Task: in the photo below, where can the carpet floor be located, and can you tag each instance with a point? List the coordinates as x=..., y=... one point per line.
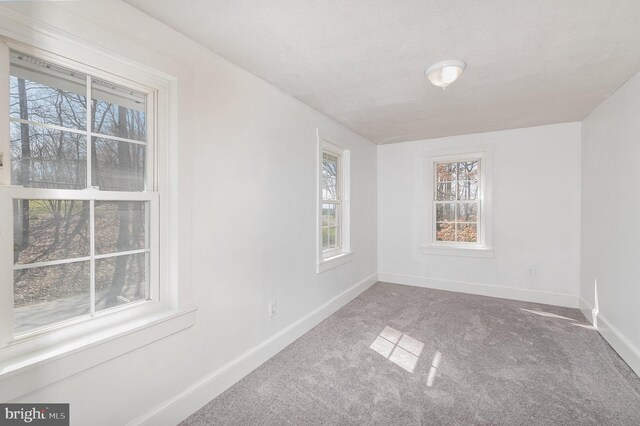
x=401, y=355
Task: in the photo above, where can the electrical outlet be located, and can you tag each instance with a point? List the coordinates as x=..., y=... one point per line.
x=531, y=271
x=272, y=308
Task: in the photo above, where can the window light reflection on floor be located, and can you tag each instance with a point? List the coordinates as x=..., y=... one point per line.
x=435, y=363
x=399, y=348
x=547, y=314
x=573, y=321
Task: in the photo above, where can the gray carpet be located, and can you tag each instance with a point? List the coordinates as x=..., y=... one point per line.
x=400, y=355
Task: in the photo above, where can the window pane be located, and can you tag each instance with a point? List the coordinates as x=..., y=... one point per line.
x=329, y=214
x=329, y=177
x=46, y=158
x=118, y=111
x=50, y=294
x=118, y=166
x=46, y=93
x=445, y=232
x=467, y=190
x=325, y=238
x=330, y=237
x=120, y=280
x=467, y=212
x=333, y=237
x=445, y=172
x=468, y=170
x=120, y=226
x=467, y=232
x=446, y=192
x=46, y=230
x=445, y=212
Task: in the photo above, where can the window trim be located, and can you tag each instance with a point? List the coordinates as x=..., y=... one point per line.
x=73, y=350
x=330, y=259
x=483, y=247
x=150, y=194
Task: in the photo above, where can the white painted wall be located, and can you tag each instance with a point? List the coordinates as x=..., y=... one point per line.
x=536, y=216
x=247, y=222
x=610, y=249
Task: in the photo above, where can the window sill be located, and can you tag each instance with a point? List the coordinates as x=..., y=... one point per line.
x=335, y=261
x=456, y=251
x=32, y=370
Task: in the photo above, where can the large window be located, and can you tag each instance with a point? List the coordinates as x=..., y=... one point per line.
x=460, y=208
x=89, y=206
x=83, y=195
x=334, y=206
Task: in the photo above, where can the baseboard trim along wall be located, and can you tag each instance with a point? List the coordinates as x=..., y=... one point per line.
x=503, y=292
x=176, y=409
x=629, y=352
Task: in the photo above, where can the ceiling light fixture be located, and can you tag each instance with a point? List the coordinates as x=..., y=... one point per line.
x=444, y=73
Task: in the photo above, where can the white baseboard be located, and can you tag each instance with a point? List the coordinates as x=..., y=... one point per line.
x=618, y=341
x=527, y=295
x=176, y=409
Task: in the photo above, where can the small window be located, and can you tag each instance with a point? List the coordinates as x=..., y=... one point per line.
x=457, y=201
x=459, y=213
x=334, y=206
x=331, y=203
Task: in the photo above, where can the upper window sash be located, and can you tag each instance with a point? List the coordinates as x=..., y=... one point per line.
x=101, y=87
x=331, y=176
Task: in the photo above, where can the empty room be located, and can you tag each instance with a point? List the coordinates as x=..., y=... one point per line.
x=305, y=212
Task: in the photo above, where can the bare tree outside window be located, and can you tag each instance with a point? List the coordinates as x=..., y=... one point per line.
x=53, y=257
x=331, y=202
x=457, y=201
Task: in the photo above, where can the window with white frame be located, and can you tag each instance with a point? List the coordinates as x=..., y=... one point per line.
x=457, y=201
x=84, y=201
x=460, y=207
x=331, y=203
x=334, y=206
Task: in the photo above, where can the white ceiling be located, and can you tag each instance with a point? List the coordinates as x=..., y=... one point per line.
x=361, y=62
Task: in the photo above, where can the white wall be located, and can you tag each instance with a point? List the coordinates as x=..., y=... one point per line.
x=610, y=248
x=247, y=222
x=536, y=216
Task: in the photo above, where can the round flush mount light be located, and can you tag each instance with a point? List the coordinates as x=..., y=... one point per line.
x=444, y=73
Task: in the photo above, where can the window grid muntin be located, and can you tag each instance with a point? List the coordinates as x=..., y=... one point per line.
x=89, y=194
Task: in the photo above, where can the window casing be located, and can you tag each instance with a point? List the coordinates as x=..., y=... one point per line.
x=81, y=204
x=459, y=207
x=333, y=205
x=80, y=196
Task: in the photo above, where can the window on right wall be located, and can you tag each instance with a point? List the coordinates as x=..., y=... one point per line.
x=459, y=210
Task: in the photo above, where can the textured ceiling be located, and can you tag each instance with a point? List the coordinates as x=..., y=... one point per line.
x=361, y=62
